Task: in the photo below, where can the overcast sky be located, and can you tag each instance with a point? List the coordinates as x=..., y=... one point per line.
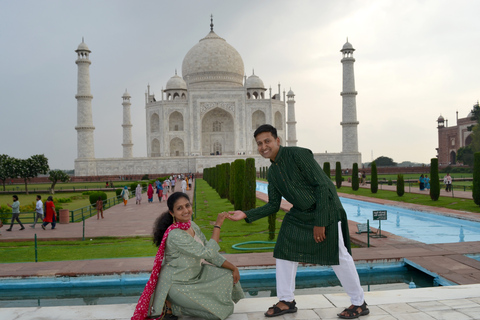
x=415, y=60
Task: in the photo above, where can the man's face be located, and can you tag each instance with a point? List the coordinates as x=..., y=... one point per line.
x=38, y=198
x=267, y=145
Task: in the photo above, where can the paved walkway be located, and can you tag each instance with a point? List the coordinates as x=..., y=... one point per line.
x=445, y=260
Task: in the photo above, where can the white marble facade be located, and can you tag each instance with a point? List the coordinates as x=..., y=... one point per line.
x=205, y=117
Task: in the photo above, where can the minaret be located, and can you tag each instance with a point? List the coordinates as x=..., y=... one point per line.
x=127, y=127
x=291, y=123
x=85, y=128
x=349, y=107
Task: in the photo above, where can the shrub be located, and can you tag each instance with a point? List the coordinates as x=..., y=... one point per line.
x=326, y=169
x=400, y=185
x=118, y=192
x=239, y=183
x=476, y=178
x=390, y=182
x=227, y=179
x=434, y=180
x=133, y=186
x=231, y=188
x=94, y=197
x=145, y=177
x=338, y=174
x=355, y=182
x=374, y=178
x=250, y=198
x=220, y=183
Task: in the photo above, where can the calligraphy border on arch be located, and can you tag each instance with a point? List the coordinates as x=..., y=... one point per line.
x=207, y=106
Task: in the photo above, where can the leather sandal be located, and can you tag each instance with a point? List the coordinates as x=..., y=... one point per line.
x=278, y=312
x=353, y=312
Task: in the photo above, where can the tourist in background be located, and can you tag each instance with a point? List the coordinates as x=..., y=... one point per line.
x=150, y=193
x=427, y=182
x=159, y=191
x=125, y=193
x=184, y=185
x=172, y=182
x=38, y=211
x=138, y=194
x=99, y=206
x=15, y=212
x=448, y=182
x=421, y=182
x=183, y=284
x=50, y=214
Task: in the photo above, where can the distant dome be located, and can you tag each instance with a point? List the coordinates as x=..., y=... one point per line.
x=176, y=82
x=126, y=94
x=347, y=47
x=212, y=61
x=290, y=93
x=254, y=82
x=83, y=47
x=440, y=119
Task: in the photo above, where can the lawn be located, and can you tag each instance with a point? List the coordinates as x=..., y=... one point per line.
x=33, y=187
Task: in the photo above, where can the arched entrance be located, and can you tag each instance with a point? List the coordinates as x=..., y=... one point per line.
x=218, y=133
x=177, y=148
x=453, y=157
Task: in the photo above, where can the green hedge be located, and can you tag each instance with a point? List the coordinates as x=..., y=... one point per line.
x=239, y=183
x=355, y=182
x=95, y=195
x=434, y=180
x=374, y=179
x=338, y=174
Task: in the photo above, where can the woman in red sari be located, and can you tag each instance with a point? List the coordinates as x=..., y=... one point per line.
x=49, y=213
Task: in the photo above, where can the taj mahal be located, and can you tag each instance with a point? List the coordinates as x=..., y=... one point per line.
x=206, y=116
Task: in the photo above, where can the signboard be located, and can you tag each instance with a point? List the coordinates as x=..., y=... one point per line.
x=380, y=215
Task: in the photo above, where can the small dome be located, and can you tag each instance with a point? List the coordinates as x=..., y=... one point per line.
x=83, y=47
x=440, y=119
x=126, y=94
x=254, y=82
x=176, y=82
x=347, y=47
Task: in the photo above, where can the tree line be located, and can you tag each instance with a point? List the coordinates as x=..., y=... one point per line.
x=26, y=169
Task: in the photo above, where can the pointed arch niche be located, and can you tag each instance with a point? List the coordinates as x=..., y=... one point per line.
x=218, y=136
x=258, y=118
x=177, y=148
x=175, y=121
x=154, y=123
x=278, y=120
x=155, y=148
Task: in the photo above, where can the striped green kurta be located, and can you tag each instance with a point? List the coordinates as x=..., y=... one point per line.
x=297, y=177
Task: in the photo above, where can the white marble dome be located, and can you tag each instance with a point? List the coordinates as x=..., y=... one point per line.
x=176, y=82
x=212, y=61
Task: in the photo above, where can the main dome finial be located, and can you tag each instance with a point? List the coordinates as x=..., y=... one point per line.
x=211, y=22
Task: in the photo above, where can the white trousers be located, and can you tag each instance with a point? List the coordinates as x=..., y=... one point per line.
x=345, y=272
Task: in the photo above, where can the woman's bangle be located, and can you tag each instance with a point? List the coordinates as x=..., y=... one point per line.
x=217, y=227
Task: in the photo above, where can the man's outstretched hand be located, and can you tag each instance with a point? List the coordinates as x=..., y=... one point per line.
x=236, y=215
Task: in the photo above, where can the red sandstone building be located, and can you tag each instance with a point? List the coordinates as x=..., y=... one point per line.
x=450, y=139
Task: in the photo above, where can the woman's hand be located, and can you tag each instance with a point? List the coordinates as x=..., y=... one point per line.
x=220, y=218
x=236, y=275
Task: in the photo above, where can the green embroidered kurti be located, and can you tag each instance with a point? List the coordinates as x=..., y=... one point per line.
x=297, y=177
x=194, y=288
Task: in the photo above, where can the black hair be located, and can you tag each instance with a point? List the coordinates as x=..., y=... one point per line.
x=166, y=219
x=39, y=196
x=266, y=128
x=50, y=198
x=15, y=197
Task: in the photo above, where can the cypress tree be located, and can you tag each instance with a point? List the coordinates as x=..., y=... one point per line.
x=435, y=180
x=214, y=177
x=400, y=185
x=326, y=168
x=250, y=185
x=355, y=183
x=374, y=181
x=239, y=184
x=338, y=174
x=227, y=180
x=231, y=189
x=476, y=178
x=218, y=176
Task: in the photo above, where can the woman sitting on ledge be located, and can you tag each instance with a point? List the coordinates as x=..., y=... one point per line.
x=183, y=284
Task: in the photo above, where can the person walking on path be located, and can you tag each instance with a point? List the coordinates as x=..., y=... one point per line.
x=99, y=207
x=138, y=194
x=150, y=193
x=314, y=231
x=159, y=191
x=427, y=182
x=50, y=214
x=184, y=186
x=421, y=182
x=38, y=210
x=172, y=182
x=448, y=182
x=125, y=193
x=15, y=212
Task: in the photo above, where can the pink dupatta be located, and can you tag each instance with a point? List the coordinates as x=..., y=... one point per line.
x=141, y=311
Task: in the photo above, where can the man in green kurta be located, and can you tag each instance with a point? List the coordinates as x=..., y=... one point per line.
x=315, y=230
